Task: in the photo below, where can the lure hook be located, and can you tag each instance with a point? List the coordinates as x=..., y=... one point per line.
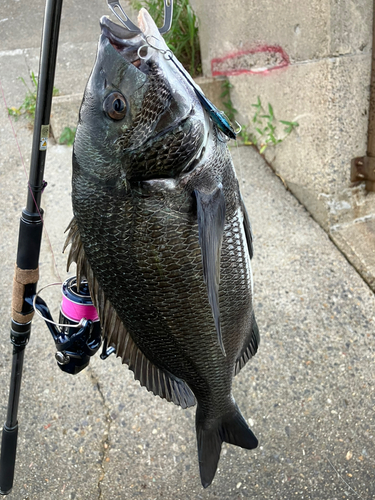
x=115, y=6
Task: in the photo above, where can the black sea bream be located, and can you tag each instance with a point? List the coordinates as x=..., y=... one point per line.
x=161, y=233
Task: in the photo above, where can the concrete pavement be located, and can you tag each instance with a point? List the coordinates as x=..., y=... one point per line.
x=308, y=394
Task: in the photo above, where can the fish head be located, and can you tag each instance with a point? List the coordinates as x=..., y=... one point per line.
x=140, y=118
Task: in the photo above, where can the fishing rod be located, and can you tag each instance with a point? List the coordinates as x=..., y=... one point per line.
x=77, y=336
x=29, y=240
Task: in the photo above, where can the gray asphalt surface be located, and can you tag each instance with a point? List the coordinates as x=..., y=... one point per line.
x=308, y=394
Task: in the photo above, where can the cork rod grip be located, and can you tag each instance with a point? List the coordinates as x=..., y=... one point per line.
x=22, y=277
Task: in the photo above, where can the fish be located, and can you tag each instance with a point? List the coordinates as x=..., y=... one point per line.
x=161, y=234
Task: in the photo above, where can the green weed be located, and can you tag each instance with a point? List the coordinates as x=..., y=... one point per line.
x=67, y=136
x=182, y=39
x=264, y=129
x=29, y=103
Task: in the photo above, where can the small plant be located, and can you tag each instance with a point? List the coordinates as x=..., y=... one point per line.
x=67, y=136
x=246, y=136
x=29, y=103
x=265, y=126
x=182, y=39
x=264, y=129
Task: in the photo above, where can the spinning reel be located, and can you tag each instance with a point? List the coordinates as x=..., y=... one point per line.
x=77, y=335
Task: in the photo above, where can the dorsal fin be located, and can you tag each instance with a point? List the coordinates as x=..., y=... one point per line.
x=211, y=219
x=156, y=380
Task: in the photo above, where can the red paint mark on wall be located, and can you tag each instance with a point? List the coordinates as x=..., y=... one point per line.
x=258, y=60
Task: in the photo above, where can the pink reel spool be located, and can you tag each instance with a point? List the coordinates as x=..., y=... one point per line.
x=76, y=304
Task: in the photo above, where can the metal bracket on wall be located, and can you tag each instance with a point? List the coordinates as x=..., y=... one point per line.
x=363, y=169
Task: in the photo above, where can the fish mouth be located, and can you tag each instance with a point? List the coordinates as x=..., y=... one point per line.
x=130, y=46
x=124, y=41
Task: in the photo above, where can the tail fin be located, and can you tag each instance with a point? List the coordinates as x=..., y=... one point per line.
x=231, y=428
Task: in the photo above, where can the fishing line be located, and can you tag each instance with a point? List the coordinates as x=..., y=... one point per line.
x=28, y=183
x=77, y=325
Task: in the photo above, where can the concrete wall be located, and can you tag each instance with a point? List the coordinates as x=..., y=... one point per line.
x=311, y=61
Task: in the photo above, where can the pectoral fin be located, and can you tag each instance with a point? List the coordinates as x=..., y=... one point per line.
x=211, y=219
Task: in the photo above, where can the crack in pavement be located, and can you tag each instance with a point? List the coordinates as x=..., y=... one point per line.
x=104, y=445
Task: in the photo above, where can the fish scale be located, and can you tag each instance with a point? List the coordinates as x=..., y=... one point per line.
x=161, y=233
x=155, y=102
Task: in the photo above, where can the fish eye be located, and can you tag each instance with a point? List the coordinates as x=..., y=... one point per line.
x=115, y=106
